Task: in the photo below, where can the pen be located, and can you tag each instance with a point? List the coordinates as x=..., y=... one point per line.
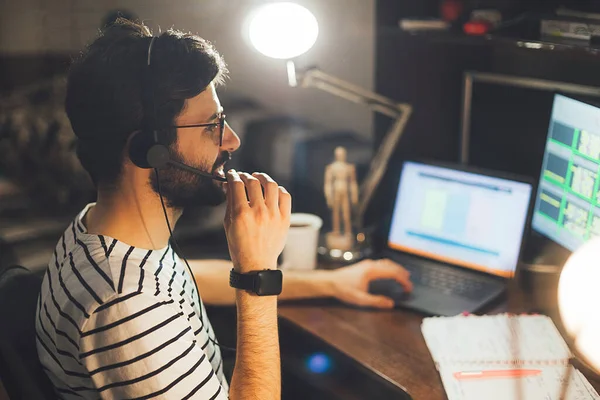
x=501, y=373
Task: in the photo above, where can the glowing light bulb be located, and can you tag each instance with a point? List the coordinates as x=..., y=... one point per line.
x=283, y=30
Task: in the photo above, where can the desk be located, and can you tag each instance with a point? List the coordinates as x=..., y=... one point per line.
x=389, y=343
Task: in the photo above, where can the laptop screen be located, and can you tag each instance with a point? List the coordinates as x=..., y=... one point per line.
x=462, y=218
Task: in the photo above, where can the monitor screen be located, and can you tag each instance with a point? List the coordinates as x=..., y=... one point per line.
x=462, y=218
x=567, y=205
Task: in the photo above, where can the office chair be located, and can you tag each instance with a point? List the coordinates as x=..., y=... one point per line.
x=20, y=369
x=8, y=256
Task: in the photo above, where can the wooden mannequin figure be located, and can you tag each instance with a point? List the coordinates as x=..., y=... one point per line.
x=341, y=190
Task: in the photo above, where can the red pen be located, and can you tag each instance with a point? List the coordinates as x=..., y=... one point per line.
x=500, y=373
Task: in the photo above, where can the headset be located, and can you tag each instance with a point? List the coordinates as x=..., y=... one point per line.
x=146, y=151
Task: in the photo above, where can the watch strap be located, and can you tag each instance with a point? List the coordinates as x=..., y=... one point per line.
x=242, y=281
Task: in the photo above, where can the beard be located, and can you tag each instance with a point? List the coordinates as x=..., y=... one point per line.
x=182, y=189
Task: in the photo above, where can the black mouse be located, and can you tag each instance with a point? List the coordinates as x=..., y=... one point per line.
x=390, y=288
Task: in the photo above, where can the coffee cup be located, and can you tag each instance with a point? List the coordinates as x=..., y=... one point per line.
x=300, y=252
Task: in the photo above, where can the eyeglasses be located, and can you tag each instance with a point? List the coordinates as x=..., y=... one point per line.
x=220, y=124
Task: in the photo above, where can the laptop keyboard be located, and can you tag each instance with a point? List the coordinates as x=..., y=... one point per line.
x=450, y=281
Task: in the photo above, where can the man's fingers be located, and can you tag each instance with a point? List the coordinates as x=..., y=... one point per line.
x=253, y=188
x=271, y=189
x=387, y=269
x=369, y=300
x=285, y=202
x=236, y=191
x=228, y=208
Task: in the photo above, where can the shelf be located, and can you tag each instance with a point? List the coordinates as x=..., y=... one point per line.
x=459, y=38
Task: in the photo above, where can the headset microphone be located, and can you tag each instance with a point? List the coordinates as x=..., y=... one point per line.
x=146, y=153
x=196, y=171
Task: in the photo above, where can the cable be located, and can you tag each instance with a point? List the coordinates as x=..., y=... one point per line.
x=148, y=86
x=172, y=239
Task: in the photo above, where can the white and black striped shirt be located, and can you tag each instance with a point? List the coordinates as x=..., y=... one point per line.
x=119, y=322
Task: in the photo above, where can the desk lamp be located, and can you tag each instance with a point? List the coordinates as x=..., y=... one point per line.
x=579, y=301
x=288, y=30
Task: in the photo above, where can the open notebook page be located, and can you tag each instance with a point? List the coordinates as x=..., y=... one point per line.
x=548, y=385
x=494, y=339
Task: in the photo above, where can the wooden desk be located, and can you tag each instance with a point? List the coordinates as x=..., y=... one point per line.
x=389, y=343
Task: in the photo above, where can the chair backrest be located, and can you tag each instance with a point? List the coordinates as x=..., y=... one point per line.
x=20, y=368
x=8, y=255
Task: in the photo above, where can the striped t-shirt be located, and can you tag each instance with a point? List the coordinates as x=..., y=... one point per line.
x=119, y=322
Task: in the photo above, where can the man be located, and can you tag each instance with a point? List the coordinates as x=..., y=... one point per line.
x=119, y=316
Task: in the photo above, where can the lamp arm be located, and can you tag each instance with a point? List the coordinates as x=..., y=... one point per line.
x=313, y=77
x=380, y=162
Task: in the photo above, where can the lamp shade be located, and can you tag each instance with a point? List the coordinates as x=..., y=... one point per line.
x=579, y=300
x=283, y=30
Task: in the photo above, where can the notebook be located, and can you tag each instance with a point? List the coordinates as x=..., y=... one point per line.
x=503, y=357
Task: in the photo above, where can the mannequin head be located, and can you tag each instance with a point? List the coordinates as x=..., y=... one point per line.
x=340, y=154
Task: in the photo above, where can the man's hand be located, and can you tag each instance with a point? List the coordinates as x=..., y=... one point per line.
x=256, y=225
x=351, y=284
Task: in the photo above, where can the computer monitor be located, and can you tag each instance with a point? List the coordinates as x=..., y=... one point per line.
x=567, y=205
x=473, y=220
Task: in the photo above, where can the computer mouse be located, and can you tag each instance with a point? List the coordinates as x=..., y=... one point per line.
x=390, y=288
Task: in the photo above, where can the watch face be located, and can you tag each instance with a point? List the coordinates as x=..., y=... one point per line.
x=268, y=282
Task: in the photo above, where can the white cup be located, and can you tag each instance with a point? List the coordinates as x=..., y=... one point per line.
x=300, y=250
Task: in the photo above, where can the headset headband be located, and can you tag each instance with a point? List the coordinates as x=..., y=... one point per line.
x=150, y=49
x=149, y=106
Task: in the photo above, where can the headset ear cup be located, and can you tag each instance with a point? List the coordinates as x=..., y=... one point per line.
x=145, y=153
x=158, y=156
x=139, y=145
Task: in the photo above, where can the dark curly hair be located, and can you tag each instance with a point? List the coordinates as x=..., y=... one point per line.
x=105, y=90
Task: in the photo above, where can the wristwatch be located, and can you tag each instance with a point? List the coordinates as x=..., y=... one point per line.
x=267, y=282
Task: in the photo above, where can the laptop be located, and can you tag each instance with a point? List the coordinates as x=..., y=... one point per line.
x=459, y=232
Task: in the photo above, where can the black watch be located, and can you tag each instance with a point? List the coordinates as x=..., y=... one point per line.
x=267, y=282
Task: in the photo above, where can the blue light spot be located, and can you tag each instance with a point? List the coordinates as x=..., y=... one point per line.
x=318, y=363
